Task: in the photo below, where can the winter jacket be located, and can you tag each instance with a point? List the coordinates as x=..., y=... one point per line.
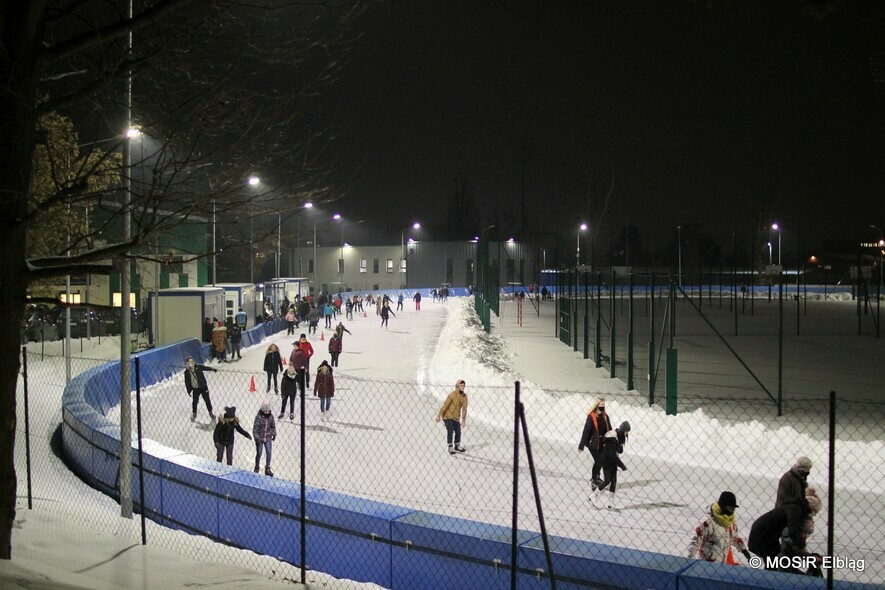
x=195, y=378
x=591, y=437
x=273, y=362
x=417, y=297
x=265, y=427
x=711, y=540
x=307, y=349
x=612, y=446
x=791, y=488
x=289, y=385
x=219, y=338
x=236, y=334
x=335, y=343
x=290, y=315
x=224, y=430
x=765, y=534
x=313, y=317
x=324, y=383
x=385, y=312
x=455, y=406
x=303, y=309
x=297, y=360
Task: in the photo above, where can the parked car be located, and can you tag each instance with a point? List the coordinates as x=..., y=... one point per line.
x=38, y=325
x=110, y=319
x=84, y=322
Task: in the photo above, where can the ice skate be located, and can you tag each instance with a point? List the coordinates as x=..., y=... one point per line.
x=611, y=504
x=280, y=417
x=460, y=449
x=291, y=416
x=268, y=472
x=193, y=416
x=451, y=449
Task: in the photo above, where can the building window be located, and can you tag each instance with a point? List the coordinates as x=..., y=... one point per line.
x=390, y=265
x=375, y=266
x=402, y=265
x=363, y=265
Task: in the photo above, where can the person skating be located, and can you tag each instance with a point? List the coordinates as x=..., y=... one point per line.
x=223, y=435
x=335, y=348
x=386, y=312
x=417, y=300
x=453, y=413
x=613, y=445
x=197, y=386
x=292, y=381
x=273, y=365
x=399, y=301
x=595, y=426
x=717, y=532
x=236, y=337
x=264, y=432
x=787, y=520
x=324, y=388
x=290, y=321
x=307, y=349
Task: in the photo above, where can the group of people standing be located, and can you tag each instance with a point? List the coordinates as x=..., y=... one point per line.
x=780, y=532
x=226, y=337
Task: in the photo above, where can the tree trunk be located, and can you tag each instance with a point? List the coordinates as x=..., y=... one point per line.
x=21, y=33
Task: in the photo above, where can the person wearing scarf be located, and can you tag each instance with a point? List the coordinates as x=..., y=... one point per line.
x=717, y=533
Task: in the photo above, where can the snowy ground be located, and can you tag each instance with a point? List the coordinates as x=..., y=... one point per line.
x=382, y=443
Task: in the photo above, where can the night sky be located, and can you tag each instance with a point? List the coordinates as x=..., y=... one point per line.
x=724, y=114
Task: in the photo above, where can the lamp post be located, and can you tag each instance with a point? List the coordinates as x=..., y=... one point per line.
x=770, y=261
x=583, y=227
x=251, y=181
x=402, y=260
x=336, y=217
x=777, y=228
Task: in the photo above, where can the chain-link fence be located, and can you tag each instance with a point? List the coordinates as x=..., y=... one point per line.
x=376, y=456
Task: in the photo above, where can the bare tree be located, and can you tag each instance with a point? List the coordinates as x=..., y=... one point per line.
x=220, y=89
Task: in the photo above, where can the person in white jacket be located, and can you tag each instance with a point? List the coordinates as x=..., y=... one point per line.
x=717, y=533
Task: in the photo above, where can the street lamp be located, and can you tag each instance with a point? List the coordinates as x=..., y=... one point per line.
x=770, y=262
x=578, y=252
x=776, y=228
x=402, y=260
x=336, y=217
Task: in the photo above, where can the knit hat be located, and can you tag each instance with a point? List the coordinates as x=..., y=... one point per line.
x=803, y=463
x=230, y=412
x=265, y=406
x=727, y=499
x=302, y=336
x=814, y=503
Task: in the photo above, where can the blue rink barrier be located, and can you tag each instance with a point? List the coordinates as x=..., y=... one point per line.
x=350, y=537
x=436, y=551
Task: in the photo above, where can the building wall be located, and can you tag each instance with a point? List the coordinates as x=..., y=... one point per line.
x=428, y=264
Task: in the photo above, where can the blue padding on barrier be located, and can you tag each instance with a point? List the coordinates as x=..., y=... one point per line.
x=154, y=454
x=83, y=419
x=188, y=492
x=78, y=451
x=346, y=555
x=716, y=576
x=599, y=565
x=418, y=568
x=261, y=513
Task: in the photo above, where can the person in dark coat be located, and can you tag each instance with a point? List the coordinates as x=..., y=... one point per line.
x=236, y=337
x=335, y=348
x=264, y=432
x=292, y=382
x=324, y=388
x=612, y=446
x=386, y=312
x=196, y=385
x=785, y=521
x=417, y=299
x=273, y=364
x=595, y=426
x=223, y=436
x=207, y=330
x=793, y=483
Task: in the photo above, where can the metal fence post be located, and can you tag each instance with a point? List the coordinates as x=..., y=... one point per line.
x=630, y=336
x=598, y=352
x=612, y=334
x=514, y=540
x=27, y=425
x=138, y=422
x=831, y=487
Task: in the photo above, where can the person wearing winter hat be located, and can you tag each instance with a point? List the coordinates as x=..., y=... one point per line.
x=595, y=427
x=264, y=432
x=273, y=364
x=612, y=446
x=786, y=525
x=307, y=350
x=453, y=413
x=717, y=532
x=223, y=435
x=792, y=484
x=324, y=388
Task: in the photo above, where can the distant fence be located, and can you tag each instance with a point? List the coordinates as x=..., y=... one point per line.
x=411, y=516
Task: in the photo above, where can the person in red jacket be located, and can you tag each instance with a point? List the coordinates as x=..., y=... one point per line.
x=307, y=351
x=324, y=388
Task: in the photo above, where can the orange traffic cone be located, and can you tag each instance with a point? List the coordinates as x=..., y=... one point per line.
x=252, y=385
x=729, y=559
x=284, y=361
x=322, y=336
